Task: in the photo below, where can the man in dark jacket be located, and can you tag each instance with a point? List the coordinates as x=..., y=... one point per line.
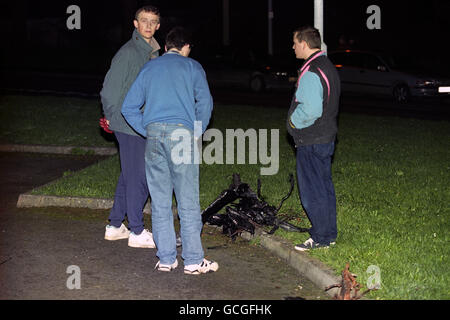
x=313, y=125
x=131, y=191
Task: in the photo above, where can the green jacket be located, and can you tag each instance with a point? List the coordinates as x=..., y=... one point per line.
x=125, y=67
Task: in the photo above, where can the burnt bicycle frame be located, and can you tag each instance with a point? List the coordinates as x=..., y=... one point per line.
x=251, y=210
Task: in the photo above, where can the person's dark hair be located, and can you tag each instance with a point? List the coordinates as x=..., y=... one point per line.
x=177, y=38
x=310, y=35
x=148, y=8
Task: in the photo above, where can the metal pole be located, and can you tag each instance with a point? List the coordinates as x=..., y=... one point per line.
x=318, y=20
x=270, y=32
x=226, y=22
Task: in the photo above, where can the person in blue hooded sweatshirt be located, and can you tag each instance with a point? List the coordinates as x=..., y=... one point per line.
x=176, y=95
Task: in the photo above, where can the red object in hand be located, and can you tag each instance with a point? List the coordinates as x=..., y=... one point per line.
x=104, y=124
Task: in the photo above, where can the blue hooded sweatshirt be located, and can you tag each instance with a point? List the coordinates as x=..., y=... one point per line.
x=174, y=89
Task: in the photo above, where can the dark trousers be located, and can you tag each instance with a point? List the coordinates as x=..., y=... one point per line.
x=131, y=190
x=317, y=190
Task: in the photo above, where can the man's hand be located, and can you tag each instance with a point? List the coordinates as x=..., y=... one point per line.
x=105, y=124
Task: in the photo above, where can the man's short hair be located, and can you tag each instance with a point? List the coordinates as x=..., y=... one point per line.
x=177, y=38
x=310, y=35
x=147, y=8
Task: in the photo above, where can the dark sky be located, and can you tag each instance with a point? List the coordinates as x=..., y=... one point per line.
x=413, y=28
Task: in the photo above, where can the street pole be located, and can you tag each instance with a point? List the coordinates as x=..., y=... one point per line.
x=318, y=20
x=270, y=32
x=226, y=22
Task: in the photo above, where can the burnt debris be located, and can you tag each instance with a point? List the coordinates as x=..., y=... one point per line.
x=250, y=211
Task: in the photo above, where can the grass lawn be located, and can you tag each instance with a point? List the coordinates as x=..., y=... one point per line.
x=46, y=120
x=392, y=184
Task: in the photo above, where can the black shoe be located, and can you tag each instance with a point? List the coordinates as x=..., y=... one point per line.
x=309, y=244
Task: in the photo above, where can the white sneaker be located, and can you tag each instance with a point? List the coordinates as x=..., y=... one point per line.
x=203, y=267
x=166, y=267
x=113, y=233
x=144, y=240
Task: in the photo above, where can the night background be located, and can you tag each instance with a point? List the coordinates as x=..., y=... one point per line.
x=35, y=36
x=390, y=166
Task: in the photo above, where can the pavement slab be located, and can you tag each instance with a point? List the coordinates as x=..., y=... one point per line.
x=39, y=247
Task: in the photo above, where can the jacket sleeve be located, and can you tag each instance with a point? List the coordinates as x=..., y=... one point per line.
x=114, y=80
x=309, y=94
x=203, y=99
x=131, y=108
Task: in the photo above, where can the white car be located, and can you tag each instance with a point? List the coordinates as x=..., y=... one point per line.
x=370, y=73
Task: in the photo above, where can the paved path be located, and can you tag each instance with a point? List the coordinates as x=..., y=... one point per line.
x=38, y=245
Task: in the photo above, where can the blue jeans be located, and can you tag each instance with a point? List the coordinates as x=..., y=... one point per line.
x=165, y=176
x=317, y=190
x=131, y=190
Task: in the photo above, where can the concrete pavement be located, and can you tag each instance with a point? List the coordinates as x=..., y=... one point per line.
x=311, y=268
x=38, y=246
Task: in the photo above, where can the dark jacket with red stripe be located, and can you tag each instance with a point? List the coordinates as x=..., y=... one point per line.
x=324, y=129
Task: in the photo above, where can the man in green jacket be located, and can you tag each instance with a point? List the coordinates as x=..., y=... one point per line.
x=131, y=191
